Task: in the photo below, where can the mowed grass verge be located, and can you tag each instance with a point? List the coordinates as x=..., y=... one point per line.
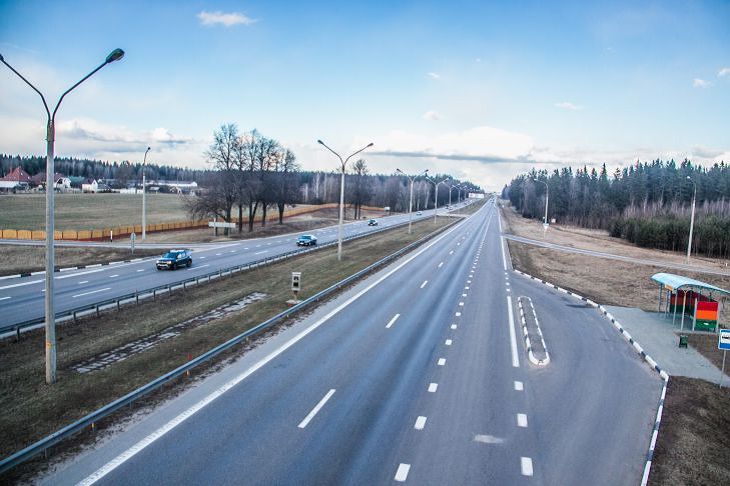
x=32, y=409
x=16, y=259
x=89, y=211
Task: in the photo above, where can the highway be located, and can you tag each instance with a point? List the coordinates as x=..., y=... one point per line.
x=21, y=298
x=417, y=374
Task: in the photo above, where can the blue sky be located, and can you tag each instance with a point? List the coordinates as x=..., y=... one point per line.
x=482, y=90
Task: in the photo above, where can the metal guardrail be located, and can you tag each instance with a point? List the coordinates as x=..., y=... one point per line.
x=144, y=293
x=90, y=419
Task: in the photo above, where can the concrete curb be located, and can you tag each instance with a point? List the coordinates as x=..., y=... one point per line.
x=639, y=350
x=530, y=354
x=80, y=267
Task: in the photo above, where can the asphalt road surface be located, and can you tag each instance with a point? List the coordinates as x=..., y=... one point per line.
x=418, y=375
x=21, y=299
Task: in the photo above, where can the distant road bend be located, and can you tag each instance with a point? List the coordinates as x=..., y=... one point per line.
x=415, y=375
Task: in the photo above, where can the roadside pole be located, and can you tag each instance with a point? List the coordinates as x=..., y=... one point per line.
x=723, y=342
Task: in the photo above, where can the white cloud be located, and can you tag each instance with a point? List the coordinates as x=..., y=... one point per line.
x=431, y=115
x=226, y=19
x=434, y=75
x=567, y=105
x=724, y=72
x=700, y=83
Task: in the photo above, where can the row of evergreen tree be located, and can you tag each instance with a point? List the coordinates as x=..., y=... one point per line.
x=96, y=169
x=646, y=203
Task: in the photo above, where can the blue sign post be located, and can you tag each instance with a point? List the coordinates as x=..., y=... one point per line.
x=723, y=343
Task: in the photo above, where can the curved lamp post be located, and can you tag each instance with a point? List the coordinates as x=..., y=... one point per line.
x=343, y=163
x=144, y=195
x=50, y=321
x=436, y=194
x=692, y=218
x=410, y=199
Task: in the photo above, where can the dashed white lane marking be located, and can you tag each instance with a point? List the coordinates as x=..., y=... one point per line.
x=92, y=292
x=432, y=387
x=258, y=246
x=487, y=439
x=232, y=251
x=466, y=288
x=83, y=282
x=448, y=342
x=453, y=326
x=526, y=465
x=395, y=318
x=218, y=254
x=451, y=252
x=441, y=361
x=512, y=336
x=402, y=473
x=140, y=270
x=519, y=386
x=202, y=258
x=4, y=298
x=468, y=281
x=463, y=295
x=521, y=420
x=21, y=284
x=461, y=304
x=260, y=252
x=458, y=314
x=507, y=284
x=112, y=276
x=425, y=282
x=245, y=248
x=441, y=264
x=420, y=423
x=316, y=409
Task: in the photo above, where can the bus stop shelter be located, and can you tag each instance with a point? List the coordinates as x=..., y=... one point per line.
x=699, y=301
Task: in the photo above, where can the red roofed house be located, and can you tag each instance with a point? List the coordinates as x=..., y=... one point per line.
x=17, y=179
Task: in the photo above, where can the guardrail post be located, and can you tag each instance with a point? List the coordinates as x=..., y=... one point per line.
x=136, y=297
x=97, y=310
x=74, y=316
x=117, y=304
x=17, y=334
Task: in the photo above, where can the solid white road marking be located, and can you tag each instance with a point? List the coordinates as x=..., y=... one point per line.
x=432, y=387
x=448, y=342
x=402, y=473
x=424, y=283
x=526, y=465
x=92, y=292
x=395, y=318
x=21, y=284
x=152, y=437
x=441, y=361
x=83, y=282
x=519, y=386
x=316, y=409
x=512, y=336
x=521, y=420
x=420, y=423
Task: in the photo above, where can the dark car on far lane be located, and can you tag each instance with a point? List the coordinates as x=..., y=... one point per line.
x=174, y=259
x=307, y=240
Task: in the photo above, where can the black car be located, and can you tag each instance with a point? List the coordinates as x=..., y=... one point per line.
x=373, y=222
x=174, y=259
x=307, y=240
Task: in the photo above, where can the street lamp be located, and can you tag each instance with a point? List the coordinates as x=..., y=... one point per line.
x=144, y=196
x=547, y=198
x=410, y=199
x=342, y=192
x=451, y=188
x=436, y=194
x=50, y=322
x=692, y=218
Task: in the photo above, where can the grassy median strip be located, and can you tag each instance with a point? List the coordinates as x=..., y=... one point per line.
x=32, y=409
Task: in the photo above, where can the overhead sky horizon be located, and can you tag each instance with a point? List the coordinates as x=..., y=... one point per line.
x=480, y=90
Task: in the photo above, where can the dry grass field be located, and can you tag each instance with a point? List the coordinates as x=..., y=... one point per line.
x=89, y=211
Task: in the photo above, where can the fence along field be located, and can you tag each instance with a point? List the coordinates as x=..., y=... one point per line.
x=94, y=216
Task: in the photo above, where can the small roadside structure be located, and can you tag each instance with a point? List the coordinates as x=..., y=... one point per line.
x=699, y=301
